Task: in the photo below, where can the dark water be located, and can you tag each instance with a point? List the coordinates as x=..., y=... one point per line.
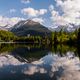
x=39, y=62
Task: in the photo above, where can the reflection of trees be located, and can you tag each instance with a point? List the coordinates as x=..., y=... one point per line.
x=78, y=51
x=6, y=47
x=36, y=51
x=63, y=49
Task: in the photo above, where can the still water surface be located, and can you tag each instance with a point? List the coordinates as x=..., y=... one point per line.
x=39, y=62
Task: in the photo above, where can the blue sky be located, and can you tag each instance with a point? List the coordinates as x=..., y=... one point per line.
x=18, y=5
x=50, y=13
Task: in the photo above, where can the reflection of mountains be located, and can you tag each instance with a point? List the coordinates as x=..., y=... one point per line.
x=24, y=54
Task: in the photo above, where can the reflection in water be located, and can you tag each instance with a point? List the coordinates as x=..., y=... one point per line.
x=39, y=63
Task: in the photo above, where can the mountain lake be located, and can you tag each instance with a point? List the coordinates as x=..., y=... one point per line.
x=39, y=62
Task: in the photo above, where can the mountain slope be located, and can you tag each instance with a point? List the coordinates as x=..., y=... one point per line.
x=23, y=28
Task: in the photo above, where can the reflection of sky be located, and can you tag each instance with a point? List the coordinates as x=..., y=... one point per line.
x=52, y=65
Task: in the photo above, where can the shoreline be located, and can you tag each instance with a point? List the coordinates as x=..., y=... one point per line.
x=21, y=42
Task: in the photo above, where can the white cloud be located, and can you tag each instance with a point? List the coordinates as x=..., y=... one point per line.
x=42, y=11
x=70, y=12
x=40, y=20
x=13, y=20
x=31, y=12
x=9, y=21
x=25, y=1
x=12, y=10
x=51, y=7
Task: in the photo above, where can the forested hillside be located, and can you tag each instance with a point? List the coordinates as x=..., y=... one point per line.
x=60, y=37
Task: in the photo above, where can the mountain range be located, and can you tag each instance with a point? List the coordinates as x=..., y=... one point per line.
x=66, y=28
x=30, y=27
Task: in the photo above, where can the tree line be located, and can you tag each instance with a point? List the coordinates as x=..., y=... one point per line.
x=60, y=37
x=63, y=37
